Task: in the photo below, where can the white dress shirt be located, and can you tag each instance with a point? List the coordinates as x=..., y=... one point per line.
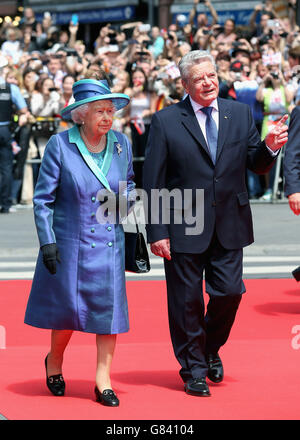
x=201, y=118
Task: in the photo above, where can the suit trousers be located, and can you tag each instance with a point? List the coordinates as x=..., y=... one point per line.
x=194, y=332
x=6, y=167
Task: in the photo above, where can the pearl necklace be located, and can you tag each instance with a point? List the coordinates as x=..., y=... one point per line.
x=94, y=149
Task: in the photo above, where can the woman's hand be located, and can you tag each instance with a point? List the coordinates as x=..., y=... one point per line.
x=50, y=256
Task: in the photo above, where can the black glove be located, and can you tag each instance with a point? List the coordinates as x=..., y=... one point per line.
x=50, y=256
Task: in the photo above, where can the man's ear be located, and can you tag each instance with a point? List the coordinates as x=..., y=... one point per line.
x=184, y=85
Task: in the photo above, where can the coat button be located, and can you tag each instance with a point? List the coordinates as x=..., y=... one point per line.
x=93, y=199
x=93, y=245
x=93, y=214
x=109, y=244
x=213, y=204
x=109, y=228
x=93, y=230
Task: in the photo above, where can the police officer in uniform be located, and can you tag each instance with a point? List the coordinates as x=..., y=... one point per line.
x=10, y=96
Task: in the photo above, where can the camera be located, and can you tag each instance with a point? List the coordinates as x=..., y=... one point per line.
x=264, y=39
x=237, y=44
x=274, y=75
x=146, y=43
x=144, y=28
x=70, y=52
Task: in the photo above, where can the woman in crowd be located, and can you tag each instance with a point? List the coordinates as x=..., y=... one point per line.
x=139, y=113
x=121, y=85
x=67, y=84
x=66, y=99
x=44, y=106
x=228, y=35
x=79, y=281
x=275, y=96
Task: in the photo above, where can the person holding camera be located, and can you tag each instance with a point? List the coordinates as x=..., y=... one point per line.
x=267, y=13
x=54, y=70
x=275, y=97
x=139, y=112
x=228, y=35
x=202, y=19
x=45, y=104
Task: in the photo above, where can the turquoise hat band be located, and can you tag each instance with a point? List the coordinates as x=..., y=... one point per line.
x=119, y=101
x=89, y=90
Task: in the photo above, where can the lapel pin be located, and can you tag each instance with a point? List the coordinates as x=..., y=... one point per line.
x=119, y=149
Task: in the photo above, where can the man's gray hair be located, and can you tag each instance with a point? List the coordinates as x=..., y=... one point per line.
x=190, y=59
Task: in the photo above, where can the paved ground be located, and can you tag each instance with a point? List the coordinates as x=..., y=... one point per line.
x=275, y=253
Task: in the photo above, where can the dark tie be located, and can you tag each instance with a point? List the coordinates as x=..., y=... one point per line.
x=211, y=132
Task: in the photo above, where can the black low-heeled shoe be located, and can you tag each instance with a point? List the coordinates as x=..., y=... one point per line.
x=55, y=383
x=107, y=398
x=215, y=368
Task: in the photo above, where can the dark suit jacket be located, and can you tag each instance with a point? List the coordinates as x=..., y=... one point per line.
x=291, y=163
x=177, y=157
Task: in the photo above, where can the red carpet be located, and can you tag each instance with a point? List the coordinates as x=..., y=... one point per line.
x=261, y=361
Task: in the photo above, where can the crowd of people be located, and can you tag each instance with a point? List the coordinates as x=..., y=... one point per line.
x=257, y=64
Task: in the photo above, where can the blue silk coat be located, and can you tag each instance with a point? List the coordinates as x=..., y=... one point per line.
x=87, y=293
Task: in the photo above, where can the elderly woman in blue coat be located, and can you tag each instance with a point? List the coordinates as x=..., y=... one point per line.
x=79, y=281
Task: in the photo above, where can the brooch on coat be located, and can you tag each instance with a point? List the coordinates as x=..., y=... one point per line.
x=119, y=149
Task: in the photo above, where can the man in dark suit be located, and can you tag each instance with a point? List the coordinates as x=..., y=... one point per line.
x=291, y=163
x=203, y=143
x=291, y=168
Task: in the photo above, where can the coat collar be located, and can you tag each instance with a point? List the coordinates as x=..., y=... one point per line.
x=100, y=173
x=224, y=121
x=190, y=122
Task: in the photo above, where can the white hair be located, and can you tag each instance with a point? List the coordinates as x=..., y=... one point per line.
x=78, y=114
x=190, y=59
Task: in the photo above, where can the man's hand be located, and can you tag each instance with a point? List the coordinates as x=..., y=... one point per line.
x=161, y=248
x=294, y=201
x=278, y=136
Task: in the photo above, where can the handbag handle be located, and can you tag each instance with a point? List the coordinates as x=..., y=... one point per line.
x=136, y=224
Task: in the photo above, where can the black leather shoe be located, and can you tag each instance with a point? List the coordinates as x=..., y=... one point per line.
x=55, y=383
x=107, y=398
x=197, y=387
x=215, y=368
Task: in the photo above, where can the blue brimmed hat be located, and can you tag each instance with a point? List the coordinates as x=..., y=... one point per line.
x=90, y=90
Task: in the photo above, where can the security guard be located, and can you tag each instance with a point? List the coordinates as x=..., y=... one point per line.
x=9, y=95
